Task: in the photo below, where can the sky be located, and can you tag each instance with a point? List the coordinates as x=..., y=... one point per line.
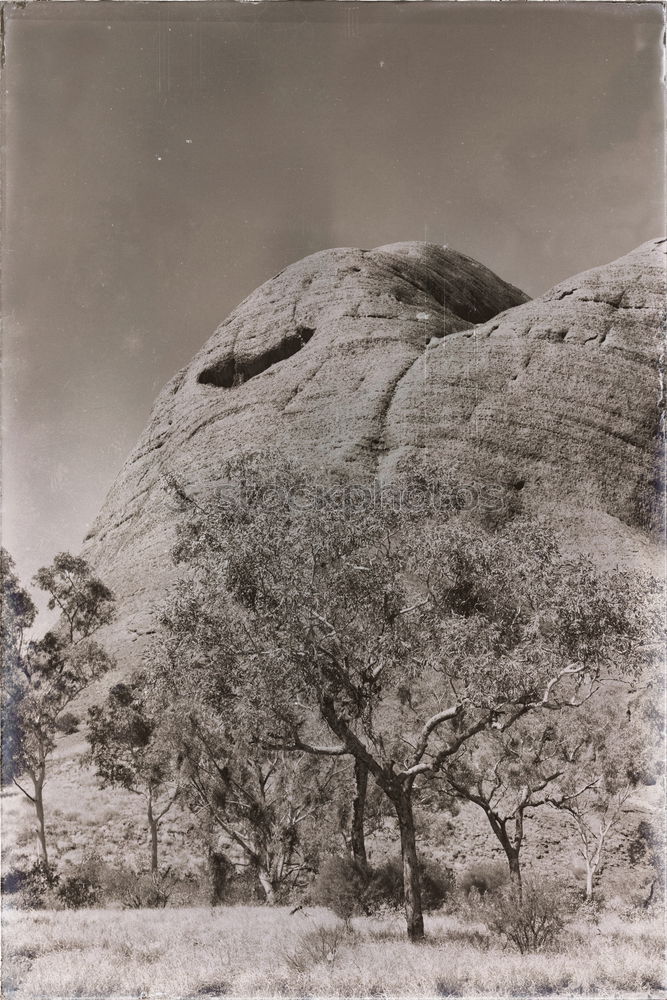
x=161, y=160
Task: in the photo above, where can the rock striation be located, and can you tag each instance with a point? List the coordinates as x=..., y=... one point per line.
x=372, y=362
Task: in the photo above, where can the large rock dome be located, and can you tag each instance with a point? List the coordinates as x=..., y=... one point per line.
x=365, y=361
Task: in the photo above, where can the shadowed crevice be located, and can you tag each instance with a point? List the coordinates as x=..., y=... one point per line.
x=232, y=372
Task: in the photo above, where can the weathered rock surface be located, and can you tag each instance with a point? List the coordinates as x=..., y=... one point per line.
x=370, y=361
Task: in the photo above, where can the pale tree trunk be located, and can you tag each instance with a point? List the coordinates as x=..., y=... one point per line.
x=590, y=872
x=357, y=837
x=411, y=881
x=267, y=885
x=592, y=846
x=593, y=861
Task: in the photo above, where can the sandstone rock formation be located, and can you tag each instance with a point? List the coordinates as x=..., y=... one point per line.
x=368, y=361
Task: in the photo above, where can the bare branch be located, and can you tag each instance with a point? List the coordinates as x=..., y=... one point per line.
x=22, y=789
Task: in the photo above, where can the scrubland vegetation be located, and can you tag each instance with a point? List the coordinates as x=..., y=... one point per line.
x=261, y=951
x=338, y=697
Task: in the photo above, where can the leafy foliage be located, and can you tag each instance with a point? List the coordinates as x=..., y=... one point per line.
x=530, y=919
x=386, y=885
x=130, y=748
x=341, y=885
x=618, y=751
x=77, y=892
x=36, y=886
x=68, y=723
x=307, y=616
x=511, y=772
x=42, y=677
x=483, y=877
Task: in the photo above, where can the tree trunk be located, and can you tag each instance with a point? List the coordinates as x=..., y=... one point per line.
x=41, y=825
x=221, y=871
x=511, y=846
x=153, y=826
x=513, y=856
x=411, y=880
x=267, y=885
x=357, y=838
x=515, y=870
x=590, y=872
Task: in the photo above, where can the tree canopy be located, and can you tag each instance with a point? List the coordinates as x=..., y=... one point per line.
x=334, y=624
x=43, y=676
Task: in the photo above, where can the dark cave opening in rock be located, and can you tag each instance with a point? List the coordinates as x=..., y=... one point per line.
x=232, y=372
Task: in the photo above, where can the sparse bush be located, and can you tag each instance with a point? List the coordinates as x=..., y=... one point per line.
x=452, y=986
x=68, y=723
x=590, y=910
x=483, y=877
x=96, y=881
x=317, y=947
x=243, y=888
x=90, y=882
x=35, y=888
x=341, y=886
x=349, y=890
x=76, y=892
x=139, y=890
x=531, y=918
x=385, y=889
x=191, y=888
x=218, y=989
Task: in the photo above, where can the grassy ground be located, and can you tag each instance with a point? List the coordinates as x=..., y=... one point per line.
x=249, y=951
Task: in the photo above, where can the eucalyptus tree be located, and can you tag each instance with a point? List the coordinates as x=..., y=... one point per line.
x=620, y=753
x=327, y=614
x=267, y=805
x=509, y=773
x=130, y=748
x=42, y=677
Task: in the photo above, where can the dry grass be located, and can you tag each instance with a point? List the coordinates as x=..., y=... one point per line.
x=250, y=952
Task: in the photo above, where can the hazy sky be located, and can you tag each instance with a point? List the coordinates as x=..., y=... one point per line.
x=162, y=160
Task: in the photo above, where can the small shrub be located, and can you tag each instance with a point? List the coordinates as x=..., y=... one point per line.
x=87, y=883
x=452, y=986
x=243, y=888
x=385, y=889
x=483, y=877
x=317, y=947
x=531, y=919
x=340, y=885
x=68, y=723
x=76, y=893
x=590, y=910
x=211, y=990
x=151, y=890
x=191, y=889
x=348, y=889
x=35, y=887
